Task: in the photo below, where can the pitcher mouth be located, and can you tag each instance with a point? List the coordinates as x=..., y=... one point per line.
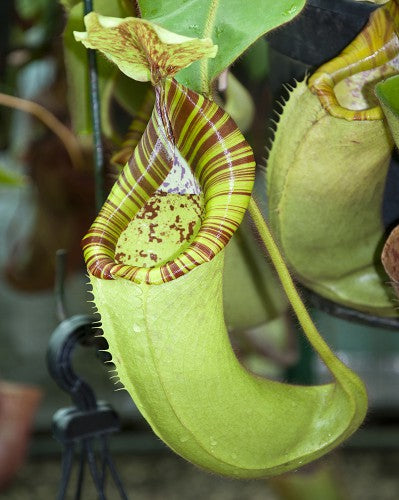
x=219, y=160
x=161, y=230
x=373, y=54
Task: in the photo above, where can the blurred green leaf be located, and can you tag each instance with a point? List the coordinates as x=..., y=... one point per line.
x=129, y=100
x=30, y=8
x=233, y=25
x=77, y=65
x=68, y=4
x=127, y=5
x=239, y=104
x=387, y=92
x=256, y=60
x=129, y=95
x=9, y=178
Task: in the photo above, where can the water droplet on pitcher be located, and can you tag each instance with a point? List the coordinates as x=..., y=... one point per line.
x=183, y=439
x=213, y=441
x=136, y=328
x=194, y=27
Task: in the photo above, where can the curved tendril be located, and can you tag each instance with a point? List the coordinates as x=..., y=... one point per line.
x=67, y=138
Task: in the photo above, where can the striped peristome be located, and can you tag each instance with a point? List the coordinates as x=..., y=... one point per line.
x=377, y=44
x=186, y=123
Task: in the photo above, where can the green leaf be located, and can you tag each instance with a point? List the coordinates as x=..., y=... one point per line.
x=239, y=104
x=256, y=60
x=122, y=91
x=388, y=95
x=77, y=66
x=27, y=9
x=68, y=4
x=232, y=24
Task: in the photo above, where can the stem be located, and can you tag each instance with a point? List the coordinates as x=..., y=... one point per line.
x=96, y=120
x=295, y=300
x=60, y=130
x=205, y=84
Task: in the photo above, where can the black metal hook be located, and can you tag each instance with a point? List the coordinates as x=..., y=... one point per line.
x=66, y=336
x=90, y=420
